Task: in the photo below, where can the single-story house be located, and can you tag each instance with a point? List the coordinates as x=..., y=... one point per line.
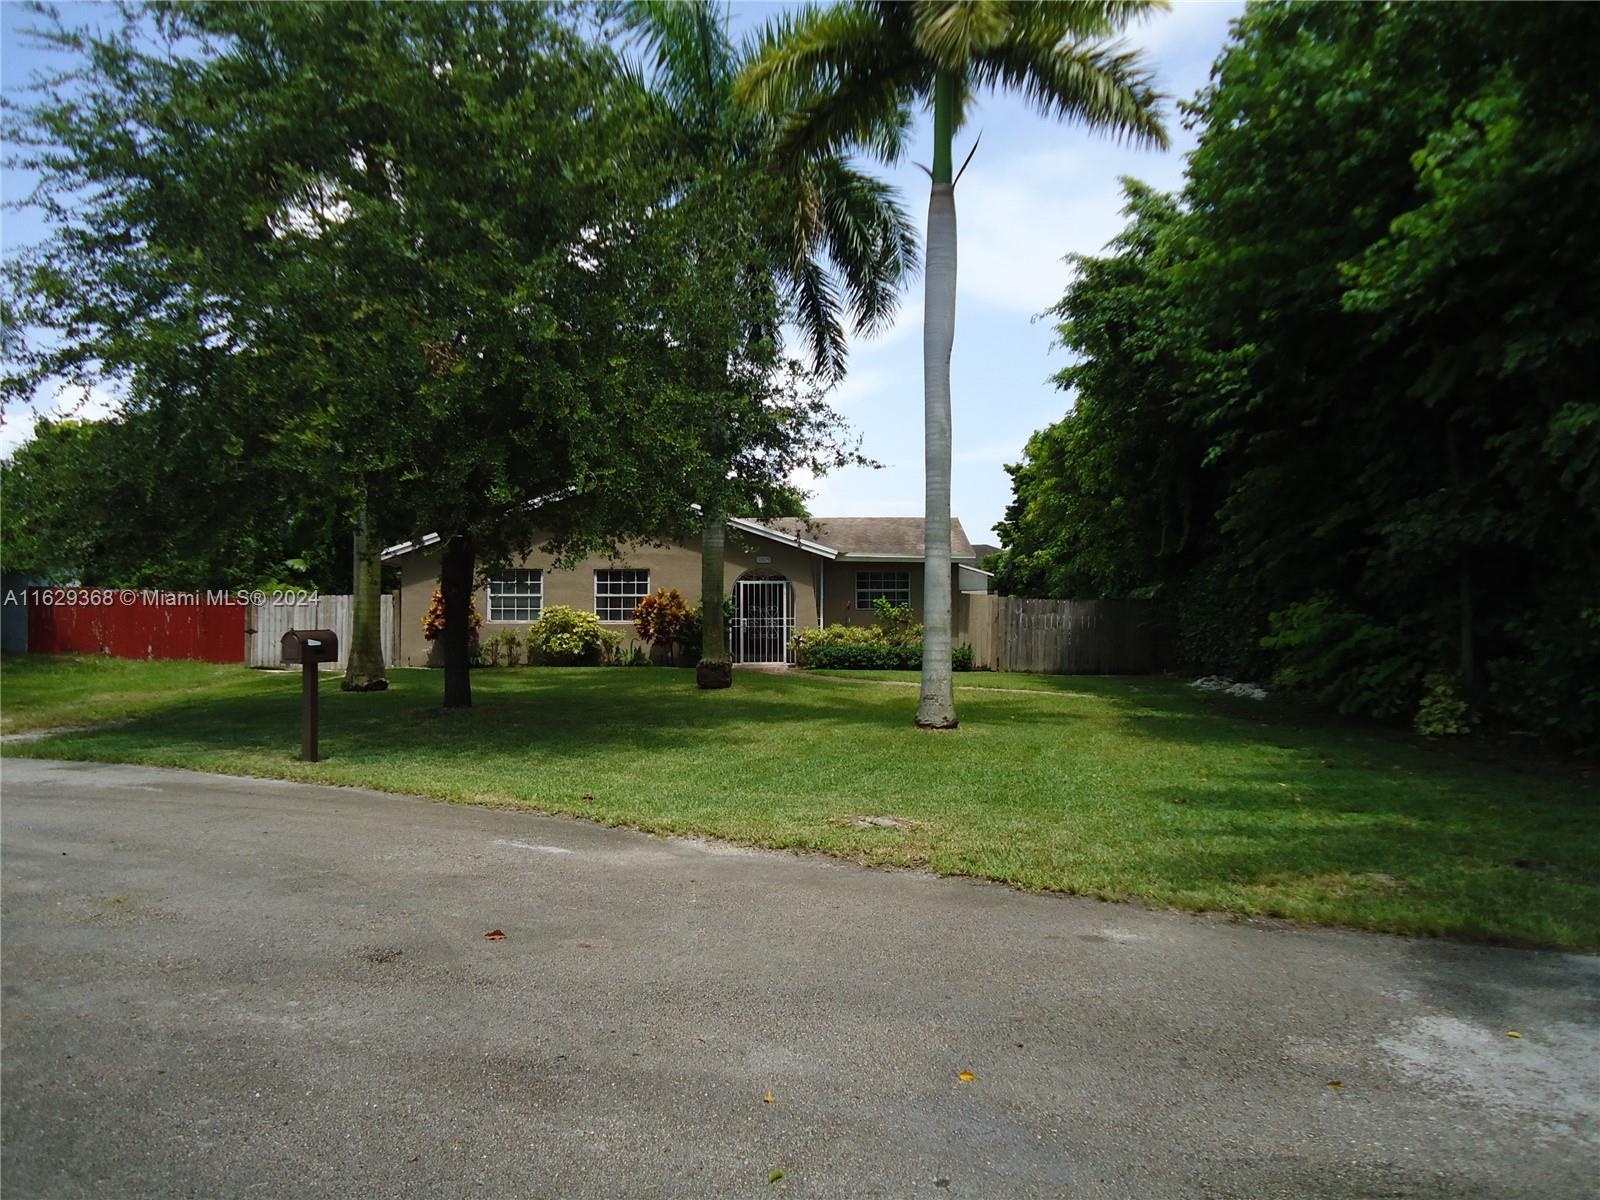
x=783, y=575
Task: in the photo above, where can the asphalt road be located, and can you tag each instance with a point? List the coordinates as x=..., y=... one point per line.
x=230, y=988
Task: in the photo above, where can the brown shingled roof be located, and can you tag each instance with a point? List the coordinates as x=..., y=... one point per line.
x=864, y=537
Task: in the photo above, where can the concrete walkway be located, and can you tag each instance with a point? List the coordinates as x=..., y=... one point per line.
x=228, y=988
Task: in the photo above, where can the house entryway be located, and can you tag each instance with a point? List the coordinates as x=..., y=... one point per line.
x=763, y=621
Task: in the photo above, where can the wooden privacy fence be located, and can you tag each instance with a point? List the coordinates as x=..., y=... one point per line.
x=1064, y=637
x=268, y=622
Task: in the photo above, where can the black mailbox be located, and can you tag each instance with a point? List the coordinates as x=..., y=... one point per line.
x=310, y=646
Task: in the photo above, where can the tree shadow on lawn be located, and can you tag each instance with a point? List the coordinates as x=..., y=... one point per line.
x=550, y=712
x=1143, y=725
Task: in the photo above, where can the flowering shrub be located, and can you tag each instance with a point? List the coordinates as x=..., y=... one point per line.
x=433, y=622
x=664, y=618
x=564, y=636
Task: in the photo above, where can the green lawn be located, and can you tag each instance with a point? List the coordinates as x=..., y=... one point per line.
x=50, y=691
x=1120, y=788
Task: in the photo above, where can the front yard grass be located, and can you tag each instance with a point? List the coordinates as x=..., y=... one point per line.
x=1117, y=788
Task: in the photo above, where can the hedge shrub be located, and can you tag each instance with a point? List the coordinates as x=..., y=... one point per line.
x=564, y=636
x=865, y=648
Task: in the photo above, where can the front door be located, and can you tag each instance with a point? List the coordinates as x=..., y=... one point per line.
x=763, y=621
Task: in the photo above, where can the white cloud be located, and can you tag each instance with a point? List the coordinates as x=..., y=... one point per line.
x=1000, y=453
x=1193, y=28
x=861, y=387
x=69, y=400
x=1018, y=217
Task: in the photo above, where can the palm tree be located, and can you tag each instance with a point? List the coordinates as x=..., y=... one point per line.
x=846, y=77
x=833, y=239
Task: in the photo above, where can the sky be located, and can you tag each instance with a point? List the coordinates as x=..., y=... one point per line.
x=1036, y=191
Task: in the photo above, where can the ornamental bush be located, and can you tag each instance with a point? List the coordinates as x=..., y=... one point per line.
x=564, y=636
x=664, y=618
x=865, y=648
x=1443, y=711
x=433, y=622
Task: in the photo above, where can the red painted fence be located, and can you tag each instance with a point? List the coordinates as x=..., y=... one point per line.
x=130, y=623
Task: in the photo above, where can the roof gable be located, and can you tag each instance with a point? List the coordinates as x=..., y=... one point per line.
x=889, y=538
x=870, y=537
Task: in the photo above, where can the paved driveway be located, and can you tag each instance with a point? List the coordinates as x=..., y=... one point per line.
x=229, y=988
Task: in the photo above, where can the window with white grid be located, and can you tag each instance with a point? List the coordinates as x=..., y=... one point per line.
x=618, y=592
x=893, y=586
x=516, y=595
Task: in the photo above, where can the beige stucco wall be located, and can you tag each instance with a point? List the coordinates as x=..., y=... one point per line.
x=674, y=565
x=839, y=594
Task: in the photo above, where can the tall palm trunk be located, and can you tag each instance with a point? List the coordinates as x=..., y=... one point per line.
x=456, y=569
x=363, y=668
x=938, y=707
x=714, y=670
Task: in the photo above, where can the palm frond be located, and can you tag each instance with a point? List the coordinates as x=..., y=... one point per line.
x=692, y=58
x=870, y=239
x=806, y=52
x=867, y=112
x=951, y=33
x=1105, y=86
x=1078, y=20
x=816, y=302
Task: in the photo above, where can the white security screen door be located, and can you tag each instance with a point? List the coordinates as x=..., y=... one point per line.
x=763, y=623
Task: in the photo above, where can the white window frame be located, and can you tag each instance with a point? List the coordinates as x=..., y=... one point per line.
x=516, y=595
x=872, y=584
x=621, y=586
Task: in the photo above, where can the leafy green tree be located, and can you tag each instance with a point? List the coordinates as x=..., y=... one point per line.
x=846, y=76
x=1109, y=501
x=430, y=248
x=1356, y=358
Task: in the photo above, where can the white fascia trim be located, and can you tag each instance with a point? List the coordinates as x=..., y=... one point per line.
x=862, y=556
x=401, y=549
x=788, y=539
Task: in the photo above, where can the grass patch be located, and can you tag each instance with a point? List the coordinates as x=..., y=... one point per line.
x=48, y=691
x=1119, y=788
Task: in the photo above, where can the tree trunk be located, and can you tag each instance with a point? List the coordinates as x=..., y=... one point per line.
x=456, y=571
x=713, y=670
x=363, y=668
x=938, y=707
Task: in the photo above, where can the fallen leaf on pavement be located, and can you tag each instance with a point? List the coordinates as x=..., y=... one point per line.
x=774, y=1177
x=768, y=1098
x=1512, y=1033
x=1335, y=1083
x=495, y=935
x=966, y=1077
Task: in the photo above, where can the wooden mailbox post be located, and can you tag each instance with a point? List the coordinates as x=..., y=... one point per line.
x=309, y=647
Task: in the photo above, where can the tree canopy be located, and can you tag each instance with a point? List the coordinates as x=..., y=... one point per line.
x=430, y=258
x=1334, y=404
